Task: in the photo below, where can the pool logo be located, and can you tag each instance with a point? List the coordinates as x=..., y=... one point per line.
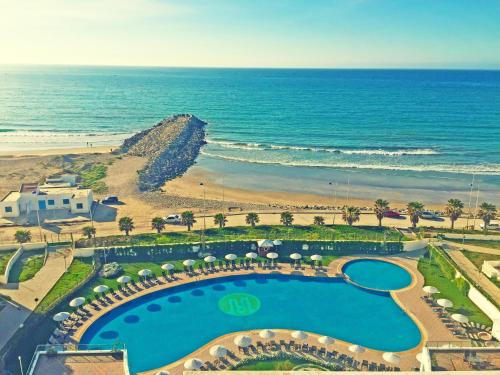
x=239, y=304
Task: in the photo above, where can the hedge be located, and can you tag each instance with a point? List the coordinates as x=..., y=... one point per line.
x=158, y=253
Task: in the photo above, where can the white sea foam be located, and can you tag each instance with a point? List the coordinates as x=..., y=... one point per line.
x=380, y=151
x=480, y=169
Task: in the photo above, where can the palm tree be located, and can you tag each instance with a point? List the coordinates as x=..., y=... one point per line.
x=319, y=220
x=487, y=212
x=286, y=218
x=158, y=223
x=350, y=214
x=252, y=218
x=414, y=210
x=126, y=224
x=220, y=220
x=454, y=209
x=22, y=236
x=88, y=232
x=381, y=207
x=187, y=219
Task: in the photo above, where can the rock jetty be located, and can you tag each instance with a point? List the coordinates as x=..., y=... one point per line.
x=170, y=146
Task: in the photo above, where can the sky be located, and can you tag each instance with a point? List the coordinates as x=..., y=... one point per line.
x=253, y=33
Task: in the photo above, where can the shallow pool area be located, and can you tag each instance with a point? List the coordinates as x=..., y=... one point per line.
x=167, y=325
x=377, y=274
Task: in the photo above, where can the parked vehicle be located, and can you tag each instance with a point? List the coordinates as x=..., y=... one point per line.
x=111, y=199
x=491, y=226
x=392, y=214
x=429, y=215
x=172, y=219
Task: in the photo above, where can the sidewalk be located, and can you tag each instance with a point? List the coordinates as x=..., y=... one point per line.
x=473, y=248
x=477, y=276
x=23, y=294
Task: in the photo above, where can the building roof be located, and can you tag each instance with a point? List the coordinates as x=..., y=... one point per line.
x=12, y=196
x=28, y=187
x=74, y=191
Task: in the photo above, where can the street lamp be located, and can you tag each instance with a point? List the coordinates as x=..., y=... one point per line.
x=204, y=219
x=20, y=365
x=334, y=193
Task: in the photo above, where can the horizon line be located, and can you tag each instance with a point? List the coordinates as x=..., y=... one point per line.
x=465, y=68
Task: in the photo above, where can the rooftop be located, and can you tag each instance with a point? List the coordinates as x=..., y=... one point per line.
x=465, y=359
x=72, y=190
x=80, y=363
x=28, y=187
x=12, y=196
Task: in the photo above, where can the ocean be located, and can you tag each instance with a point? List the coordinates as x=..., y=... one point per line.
x=422, y=131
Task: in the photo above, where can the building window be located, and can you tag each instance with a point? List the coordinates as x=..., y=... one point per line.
x=8, y=209
x=50, y=202
x=79, y=206
x=66, y=201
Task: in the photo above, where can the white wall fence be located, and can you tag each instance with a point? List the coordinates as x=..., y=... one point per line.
x=458, y=236
x=4, y=279
x=415, y=245
x=488, y=308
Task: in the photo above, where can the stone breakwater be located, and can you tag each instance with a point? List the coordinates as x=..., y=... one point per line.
x=170, y=146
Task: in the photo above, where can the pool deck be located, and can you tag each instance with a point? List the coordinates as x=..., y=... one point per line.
x=409, y=298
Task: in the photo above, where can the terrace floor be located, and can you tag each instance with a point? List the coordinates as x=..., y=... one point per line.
x=465, y=360
x=80, y=364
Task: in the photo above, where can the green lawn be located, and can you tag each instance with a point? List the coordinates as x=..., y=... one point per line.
x=493, y=244
x=4, y=259
x=30, y=267
x=270, y=365
x=449, y=289
x=296, y=232
x=77, y=272
x=456, y=230
x=92, y=177
x=478, y=260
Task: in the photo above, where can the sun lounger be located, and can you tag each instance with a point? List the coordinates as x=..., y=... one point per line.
x=364, y=365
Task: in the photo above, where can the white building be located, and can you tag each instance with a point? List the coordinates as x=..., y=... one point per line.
x=491, y=268
x=57, y=194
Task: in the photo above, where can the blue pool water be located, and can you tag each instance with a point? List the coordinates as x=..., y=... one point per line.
x=377, y=274
x=167, y=325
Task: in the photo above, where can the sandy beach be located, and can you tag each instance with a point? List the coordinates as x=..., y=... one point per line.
x=182, y=193
x=60, y=151
x=189, y=185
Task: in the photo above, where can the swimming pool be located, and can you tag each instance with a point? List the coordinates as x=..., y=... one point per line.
x=167, y=325
x=377, y=274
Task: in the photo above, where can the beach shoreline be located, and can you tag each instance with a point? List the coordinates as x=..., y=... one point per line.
x=218, y=187
x=188, y=185
x=59, y=151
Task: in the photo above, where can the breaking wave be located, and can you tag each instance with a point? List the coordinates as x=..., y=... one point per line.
x=374, y=151
x=481, y=169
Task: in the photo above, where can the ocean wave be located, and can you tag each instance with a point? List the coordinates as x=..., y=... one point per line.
x=378, y=151
x=484, y=169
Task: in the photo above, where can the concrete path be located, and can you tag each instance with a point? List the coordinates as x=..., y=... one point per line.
x=26, y=292
x=473, y=248
x=477, y=276
x=23, y=295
